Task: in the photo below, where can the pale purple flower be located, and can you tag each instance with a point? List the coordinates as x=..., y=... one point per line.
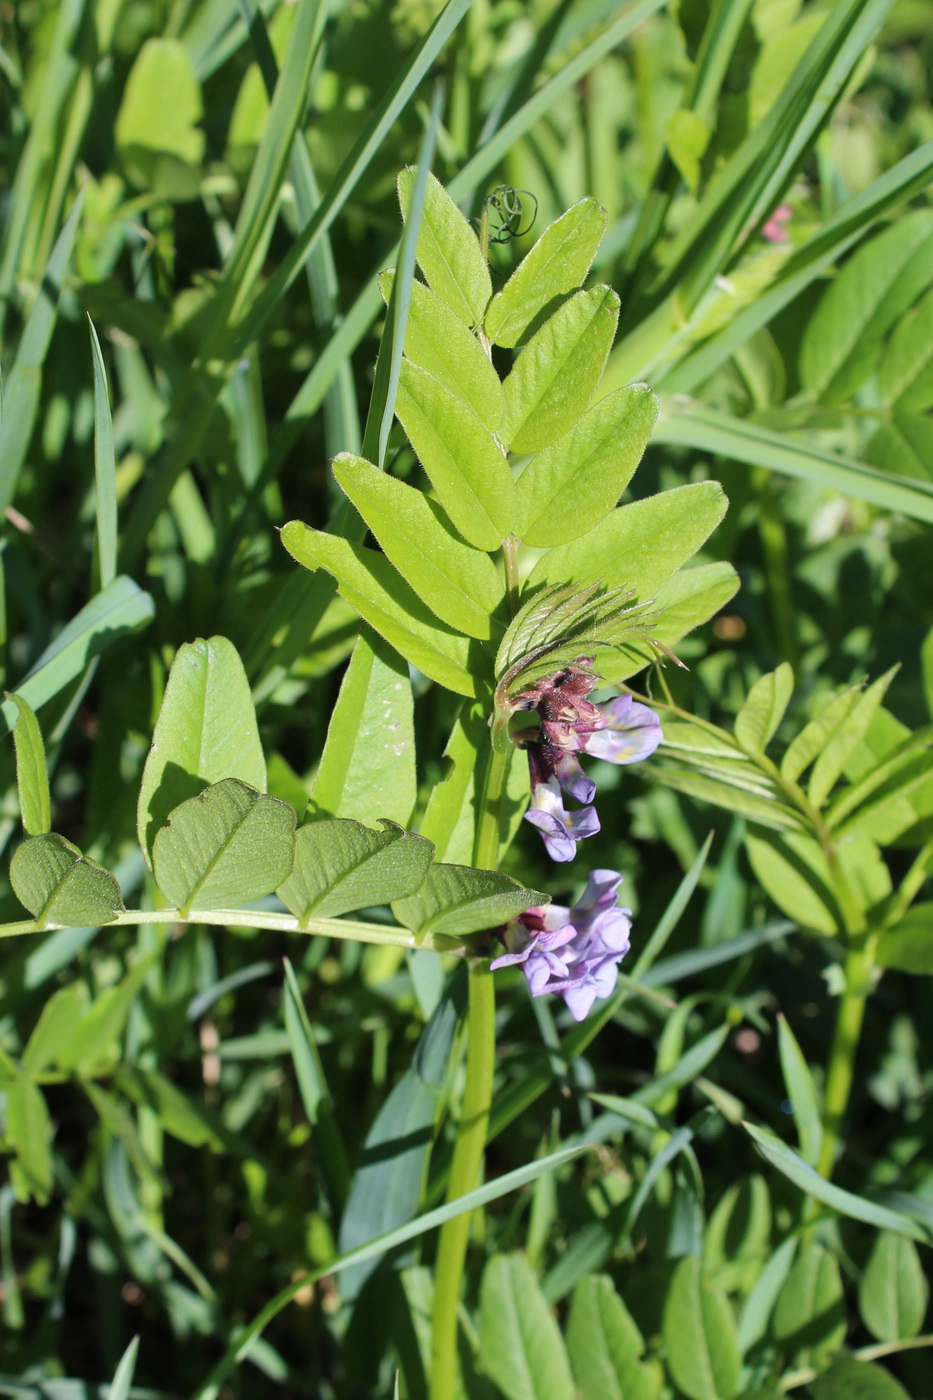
x=632, y=732
x=573, y=953
x=618, y=731
x=560, y=829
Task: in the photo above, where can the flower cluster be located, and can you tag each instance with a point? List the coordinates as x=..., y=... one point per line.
x=619, y=731
x=572, y=952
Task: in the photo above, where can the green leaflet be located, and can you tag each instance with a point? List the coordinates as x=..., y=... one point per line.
x=764, y=709
x=809, y=1316
x=801, y=1091
x=157, y=129
x=367, y=769
x=850, y=1379
x=368, y=581
x=206, y=731
x=738, y=1236
x=903, y=445
x=448, y=250
x=456, y=900
x=341, y=866
x=811, y=739
x=605, y=1345
x=893, y=1291
x=467, y=468
x=557, y=263
x=557, y=373
x=32, y=777
x=569, y=487
x=227, y=846
x=450, y=815
x=520, y=1346
x=686, y=601
x=905, y=377
x=795, y=873
x=876, y=286
x=844, y=738
x=699, y=1330
x=29, y=1133
x=438, y=341
x=461, y=585
x=845, y=1202
x=58, y=885
x=55, y=1029
x=638, y=546
x=908, y=946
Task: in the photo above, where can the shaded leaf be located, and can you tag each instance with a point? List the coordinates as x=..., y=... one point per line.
x=58, y=885
x=849, y=1379
x=893, y=1290
x=367, y=768
x=156, y=127
x=520, y=1346
x=29, y=1133
x=32, y=777
x=908, y=946
x=809, y=1316
x=225, y=847
x=796, y=874
x=905, y=377
x=844, y=738
x=55, y=1028
x=699, y=1331
x=605, y=1345
x=801, y=1092
x=342, y=866
x=456, y=900
x=206, y=731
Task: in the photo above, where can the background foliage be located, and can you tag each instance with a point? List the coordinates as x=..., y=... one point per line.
x=188, y=1130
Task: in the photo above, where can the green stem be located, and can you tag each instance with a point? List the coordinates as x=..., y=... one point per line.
x=355, y=930
x=477, y=1097
x=510, y=559
x=857, y=969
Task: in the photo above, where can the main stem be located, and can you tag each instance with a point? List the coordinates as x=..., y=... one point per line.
x=857, y=970
x=477, y=1096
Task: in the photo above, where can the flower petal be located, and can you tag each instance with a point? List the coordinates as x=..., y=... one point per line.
x=632, y=732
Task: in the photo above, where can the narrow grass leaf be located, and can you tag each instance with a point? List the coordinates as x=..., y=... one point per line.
x=32, y=774
x=105, y=468
x=709, y=430
x=123, y=1376
x=674, y=911
x=22, y=386
x=389, y=362
x=844, y=1202
x=386, y=1186
x=473, y=1200
x=227, y=846
x=801, y=1092
x=315, y=1092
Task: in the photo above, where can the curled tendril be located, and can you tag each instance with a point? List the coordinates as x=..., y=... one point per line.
x=506, y=211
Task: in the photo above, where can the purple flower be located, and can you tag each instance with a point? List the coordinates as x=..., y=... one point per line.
x=560, y=829
x=618, y=731
x=631, y=732
x=575, y=952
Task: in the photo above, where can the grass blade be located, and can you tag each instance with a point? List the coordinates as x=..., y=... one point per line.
x=707, y=430
x=105, y=468
x=482, y=1196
